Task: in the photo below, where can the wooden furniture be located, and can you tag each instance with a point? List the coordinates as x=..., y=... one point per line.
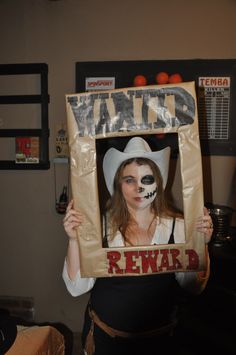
x=38, y=340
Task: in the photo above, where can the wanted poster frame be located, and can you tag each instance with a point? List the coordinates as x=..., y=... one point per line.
x=130, y=112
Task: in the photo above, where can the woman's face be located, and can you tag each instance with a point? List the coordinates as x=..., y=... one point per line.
x=138, y=186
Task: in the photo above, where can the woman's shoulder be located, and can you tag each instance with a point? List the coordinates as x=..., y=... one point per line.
x=172, y=221
x=116, y=241
x=179, y=220
x=169, y=220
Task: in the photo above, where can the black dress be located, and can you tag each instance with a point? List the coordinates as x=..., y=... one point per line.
x=133, y=304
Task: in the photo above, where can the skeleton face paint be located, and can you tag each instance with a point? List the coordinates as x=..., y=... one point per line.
x=148, y=180
x=138, y=186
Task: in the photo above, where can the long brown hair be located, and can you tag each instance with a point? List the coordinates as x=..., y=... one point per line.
x=119, y=216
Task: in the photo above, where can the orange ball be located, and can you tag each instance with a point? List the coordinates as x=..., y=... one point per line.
x=162, y=78
x=160, y=135
x=175, y=78
x=140, y=80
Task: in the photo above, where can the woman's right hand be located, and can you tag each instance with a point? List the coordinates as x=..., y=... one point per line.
x=72, y=220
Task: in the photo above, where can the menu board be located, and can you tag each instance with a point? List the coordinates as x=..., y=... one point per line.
x=214, y=107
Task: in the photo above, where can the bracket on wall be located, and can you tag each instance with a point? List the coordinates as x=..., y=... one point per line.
x=42, y=99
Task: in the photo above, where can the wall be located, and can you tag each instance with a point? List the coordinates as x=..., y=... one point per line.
x=59, y=33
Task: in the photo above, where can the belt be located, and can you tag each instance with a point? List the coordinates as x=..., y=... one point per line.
x=90, y=346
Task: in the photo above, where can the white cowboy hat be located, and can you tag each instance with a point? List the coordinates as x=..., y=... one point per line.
x=136, y=147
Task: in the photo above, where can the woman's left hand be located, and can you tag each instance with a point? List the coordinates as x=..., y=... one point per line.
x=205, y=225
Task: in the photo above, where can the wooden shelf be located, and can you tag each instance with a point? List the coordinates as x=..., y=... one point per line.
x=10, y=165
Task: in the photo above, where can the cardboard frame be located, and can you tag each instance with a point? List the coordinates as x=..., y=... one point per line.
x=146, y=110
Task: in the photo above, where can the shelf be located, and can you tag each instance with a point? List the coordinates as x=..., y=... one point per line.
x=21, y=132
x=21, y=99
x=42, y=98
x=11, y=165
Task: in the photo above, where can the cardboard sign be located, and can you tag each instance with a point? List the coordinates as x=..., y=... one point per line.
x=126, y=113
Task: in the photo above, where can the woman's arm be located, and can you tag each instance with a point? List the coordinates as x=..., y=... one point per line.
x=73, y=219
x=71, y=271
x=195, y=282
x=78, y=286
x=205, y=225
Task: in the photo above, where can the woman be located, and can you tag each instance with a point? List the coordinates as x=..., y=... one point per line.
x=133, y=315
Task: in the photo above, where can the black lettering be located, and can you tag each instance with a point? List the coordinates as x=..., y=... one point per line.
x=124, y=109
x=104, y=119
x=83, y=110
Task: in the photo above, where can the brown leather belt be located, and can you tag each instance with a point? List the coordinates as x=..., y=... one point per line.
x=120, y=333
x=90, y=347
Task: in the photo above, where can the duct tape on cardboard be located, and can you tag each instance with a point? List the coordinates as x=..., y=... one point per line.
x=106, y=116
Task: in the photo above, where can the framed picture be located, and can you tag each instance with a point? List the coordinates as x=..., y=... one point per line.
x=103, y=119
x=27, y=150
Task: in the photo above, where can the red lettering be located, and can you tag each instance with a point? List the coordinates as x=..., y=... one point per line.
x=193, y=259
x=225, y=82
x=131, y=263
x=100, y=83
x=113, y=257
x=176, y=263
x=214, y=82
x=164, y=260
x=146, y=261
x=201, y=81
x=149, y=260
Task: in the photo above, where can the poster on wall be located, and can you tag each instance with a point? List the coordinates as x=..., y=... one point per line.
x=99, y=83
x=100, y=120
x=27, y=150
